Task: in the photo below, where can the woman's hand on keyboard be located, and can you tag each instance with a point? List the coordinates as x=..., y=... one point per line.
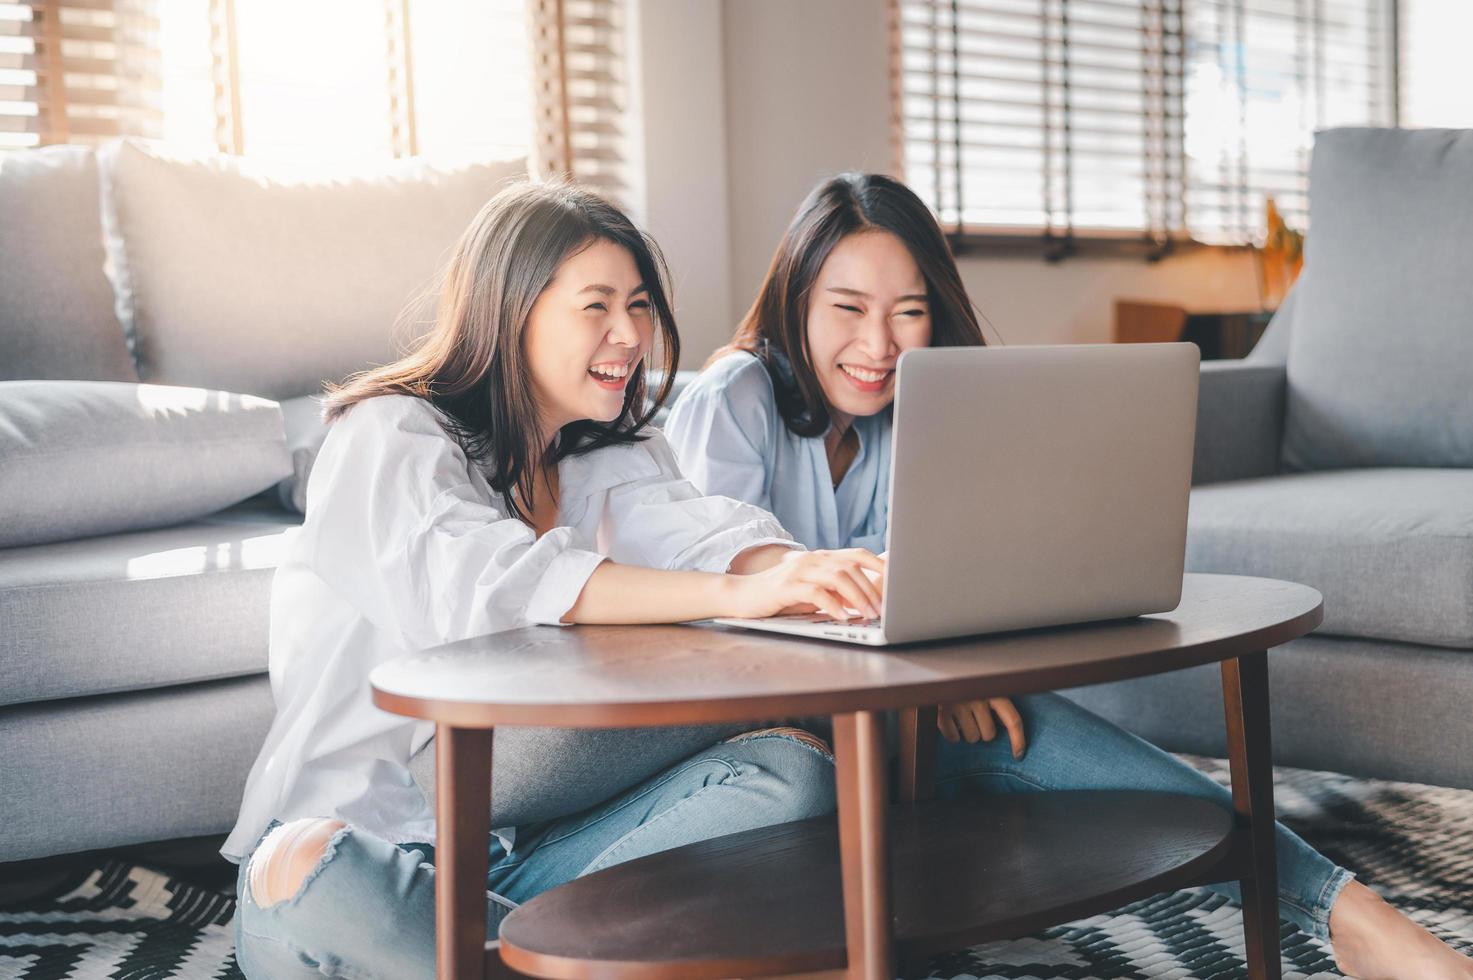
x=830, y=582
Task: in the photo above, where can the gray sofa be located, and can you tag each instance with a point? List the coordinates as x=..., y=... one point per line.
x=1338, y=454
x=133, y=693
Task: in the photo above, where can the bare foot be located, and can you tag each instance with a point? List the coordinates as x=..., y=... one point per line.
x=1373, y=941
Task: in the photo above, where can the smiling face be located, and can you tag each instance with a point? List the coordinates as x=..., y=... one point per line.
x=868, y=306
x=586, y=334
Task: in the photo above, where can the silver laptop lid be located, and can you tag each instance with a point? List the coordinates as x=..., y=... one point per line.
x=1036, y=486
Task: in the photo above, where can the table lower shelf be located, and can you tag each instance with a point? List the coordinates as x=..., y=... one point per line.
x=768, y=901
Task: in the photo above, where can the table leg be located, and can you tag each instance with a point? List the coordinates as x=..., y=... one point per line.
x=917, y=754
x=864, y=845
x=1245, y=698
x=463, y=832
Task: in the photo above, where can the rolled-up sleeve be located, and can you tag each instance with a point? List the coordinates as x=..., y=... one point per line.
x=664, y=521
x=399, y=525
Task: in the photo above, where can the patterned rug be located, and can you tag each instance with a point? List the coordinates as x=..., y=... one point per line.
x=1414, y=844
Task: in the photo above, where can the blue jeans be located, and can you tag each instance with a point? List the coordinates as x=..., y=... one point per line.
x=368, y=908
x=1071, y=748
x=334, y=924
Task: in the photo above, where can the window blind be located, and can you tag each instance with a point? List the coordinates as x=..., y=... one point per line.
x=1149, y=120
x=1262, y=76
x=581, y=83
x=77, y=71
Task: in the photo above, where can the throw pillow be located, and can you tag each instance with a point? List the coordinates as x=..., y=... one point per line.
x=82, y=458
x=241, y=277
x=56, y=305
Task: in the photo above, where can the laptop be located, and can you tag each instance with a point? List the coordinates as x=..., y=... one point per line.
x=1029, y=487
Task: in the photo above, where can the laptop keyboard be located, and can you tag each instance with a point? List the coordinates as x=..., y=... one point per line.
x=818, y=619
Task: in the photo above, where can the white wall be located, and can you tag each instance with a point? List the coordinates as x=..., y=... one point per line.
x=807, y=96
x=1029, y=301
x=803, y=88
x=680, y=165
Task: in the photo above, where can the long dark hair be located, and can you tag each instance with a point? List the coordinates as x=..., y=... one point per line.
x=471, y=365
x=775, y=329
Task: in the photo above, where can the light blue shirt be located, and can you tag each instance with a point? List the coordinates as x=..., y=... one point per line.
x=731, y=440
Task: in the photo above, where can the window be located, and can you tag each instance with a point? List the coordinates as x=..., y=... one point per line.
x=1145, y=120
x=333, y=83
x=1262, y=77
x=329, y=84
x=76, y=71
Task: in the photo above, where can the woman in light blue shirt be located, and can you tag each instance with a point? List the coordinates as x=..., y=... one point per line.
x=795, y=417
x=729, y=433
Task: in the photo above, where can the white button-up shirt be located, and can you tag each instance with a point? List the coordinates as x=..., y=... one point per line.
x=406, y=547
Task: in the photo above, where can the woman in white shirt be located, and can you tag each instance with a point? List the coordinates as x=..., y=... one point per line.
x=500, y=475
x=794, y=417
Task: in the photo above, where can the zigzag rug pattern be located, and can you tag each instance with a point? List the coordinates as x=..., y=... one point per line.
x=1414, y=844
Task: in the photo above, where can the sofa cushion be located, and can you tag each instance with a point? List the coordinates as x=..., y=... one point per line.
x=1380, y=361
x=238, y=278
x=1390, y=549
x=56, y=306
x=130, y=768
x=140, y=610
x=1368, y=708
x=79, y=458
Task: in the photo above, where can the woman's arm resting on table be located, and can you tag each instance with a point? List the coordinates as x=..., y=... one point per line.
x=628, y=594
x=765, y=583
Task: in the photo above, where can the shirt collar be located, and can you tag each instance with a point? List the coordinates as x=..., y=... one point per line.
x=582, y=476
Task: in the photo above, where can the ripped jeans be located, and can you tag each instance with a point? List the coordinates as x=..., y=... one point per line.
x=368, y=908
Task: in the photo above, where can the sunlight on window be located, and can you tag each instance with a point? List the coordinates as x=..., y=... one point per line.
x=472, y=79
x=186, y=93
x=1438, y=90
x=315, y=87
x=313, y=80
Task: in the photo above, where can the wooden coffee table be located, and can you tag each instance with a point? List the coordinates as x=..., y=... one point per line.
x=891, y=883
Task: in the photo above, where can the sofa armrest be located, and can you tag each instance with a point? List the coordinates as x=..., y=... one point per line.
x=1240, y=421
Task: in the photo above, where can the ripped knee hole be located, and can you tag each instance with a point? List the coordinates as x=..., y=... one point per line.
x=280, y=866
x=795, y=734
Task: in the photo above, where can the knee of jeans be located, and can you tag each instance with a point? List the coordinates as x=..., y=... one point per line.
x=797, y=775
x=1038, y=709
x=288, y=857
x=798, y=735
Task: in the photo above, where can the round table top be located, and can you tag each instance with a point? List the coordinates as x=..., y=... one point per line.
x=626, y=676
